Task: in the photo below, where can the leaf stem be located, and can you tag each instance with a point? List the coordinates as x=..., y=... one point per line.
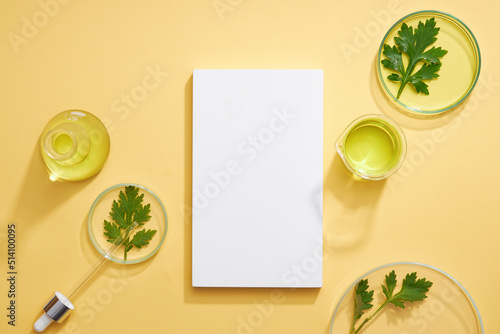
x=401, y=87
x=126, y=241
x=406, y=76
x=353, y=319
x=370, y=317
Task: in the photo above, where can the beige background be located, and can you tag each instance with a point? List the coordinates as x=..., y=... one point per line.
x=440, y=209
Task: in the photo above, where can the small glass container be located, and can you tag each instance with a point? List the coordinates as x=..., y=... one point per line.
x=373, y=147
x=74, y=146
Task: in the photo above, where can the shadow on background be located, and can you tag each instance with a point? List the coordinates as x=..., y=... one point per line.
x=92, y=255
x=94, y=294
x=404, y=118
x=222, y=295
x=39, y=195
x=348, y=225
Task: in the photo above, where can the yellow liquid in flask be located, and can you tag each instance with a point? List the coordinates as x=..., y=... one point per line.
x=74, y=146
x=370, y=149
x=373, y=147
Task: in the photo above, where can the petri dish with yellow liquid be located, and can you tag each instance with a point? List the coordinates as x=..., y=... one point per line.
x=457, y=76
x=373, y=147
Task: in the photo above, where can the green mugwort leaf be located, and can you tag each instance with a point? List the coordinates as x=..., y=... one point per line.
x=126, y=211
x=142, y=238
x=113, y=232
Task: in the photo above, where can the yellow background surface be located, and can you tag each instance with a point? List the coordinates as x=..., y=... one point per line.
x=441, y=208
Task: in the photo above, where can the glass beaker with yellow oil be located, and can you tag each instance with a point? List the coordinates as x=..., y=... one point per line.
x=373, y=147
x=74, y=145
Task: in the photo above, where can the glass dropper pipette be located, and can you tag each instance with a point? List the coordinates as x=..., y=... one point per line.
x=59, y=307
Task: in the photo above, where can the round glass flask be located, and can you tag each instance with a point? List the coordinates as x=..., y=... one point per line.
x=74, y=145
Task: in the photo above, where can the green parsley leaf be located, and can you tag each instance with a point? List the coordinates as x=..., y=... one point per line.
x=411, y=290
x=124, y=213
x=414, y=45
x=362, y=299
x=390, y=284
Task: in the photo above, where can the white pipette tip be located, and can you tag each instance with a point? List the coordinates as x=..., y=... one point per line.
x=57, y=309
x=43, y=322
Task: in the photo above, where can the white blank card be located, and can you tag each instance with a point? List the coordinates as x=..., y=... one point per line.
x=257, y=178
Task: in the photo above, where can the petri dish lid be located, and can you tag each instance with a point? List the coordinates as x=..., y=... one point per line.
x=448, y=307
x=457, y=76
x=99, y=212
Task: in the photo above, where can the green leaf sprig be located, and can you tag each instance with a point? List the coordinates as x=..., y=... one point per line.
x=412, y=289
x=362, y=301
x=128, y=213
x=414, y=45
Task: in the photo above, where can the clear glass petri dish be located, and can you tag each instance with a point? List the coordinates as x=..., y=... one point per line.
x=100, y=210
x=448, y=308
x=457, y=76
